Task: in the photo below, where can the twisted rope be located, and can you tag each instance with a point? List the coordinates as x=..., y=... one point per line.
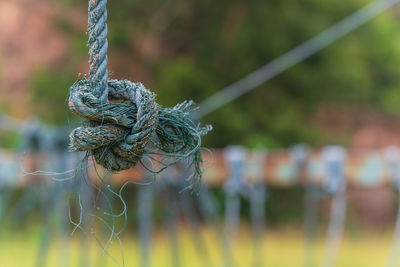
x=124, y=122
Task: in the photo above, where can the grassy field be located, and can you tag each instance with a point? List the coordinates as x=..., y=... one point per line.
x=281, y=248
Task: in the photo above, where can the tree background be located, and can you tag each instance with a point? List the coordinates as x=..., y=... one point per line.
x=191, y=49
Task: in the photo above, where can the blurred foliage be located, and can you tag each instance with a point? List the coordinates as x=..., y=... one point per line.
x=48, y=95
x=9, y=140
x=199, y=47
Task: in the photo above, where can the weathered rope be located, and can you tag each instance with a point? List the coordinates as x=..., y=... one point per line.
x=124, y=121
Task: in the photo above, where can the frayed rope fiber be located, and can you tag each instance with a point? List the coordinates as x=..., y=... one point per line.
x=124, y=122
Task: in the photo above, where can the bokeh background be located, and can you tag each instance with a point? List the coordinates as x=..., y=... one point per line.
x=348, y=94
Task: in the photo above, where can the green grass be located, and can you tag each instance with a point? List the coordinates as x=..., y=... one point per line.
x=281, y=248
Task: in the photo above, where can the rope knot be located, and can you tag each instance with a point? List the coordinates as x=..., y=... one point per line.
x=118, y=130
x=130, y=124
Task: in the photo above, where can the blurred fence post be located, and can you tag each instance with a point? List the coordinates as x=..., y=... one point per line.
x=173, y=185
x=334, y=158
x=235, y=157
x=145, y=212
x=86, y=198
x=209, y=209
x=392, y=156
x=257, y=197
x=299, y=156
x=8, y=180
x=65, y=164
x=187, y=203
x=36, y=139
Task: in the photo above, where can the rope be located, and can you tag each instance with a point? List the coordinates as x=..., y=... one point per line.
x=124, y=121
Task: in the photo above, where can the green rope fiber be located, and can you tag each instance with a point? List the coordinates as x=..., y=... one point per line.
x=124, y=124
